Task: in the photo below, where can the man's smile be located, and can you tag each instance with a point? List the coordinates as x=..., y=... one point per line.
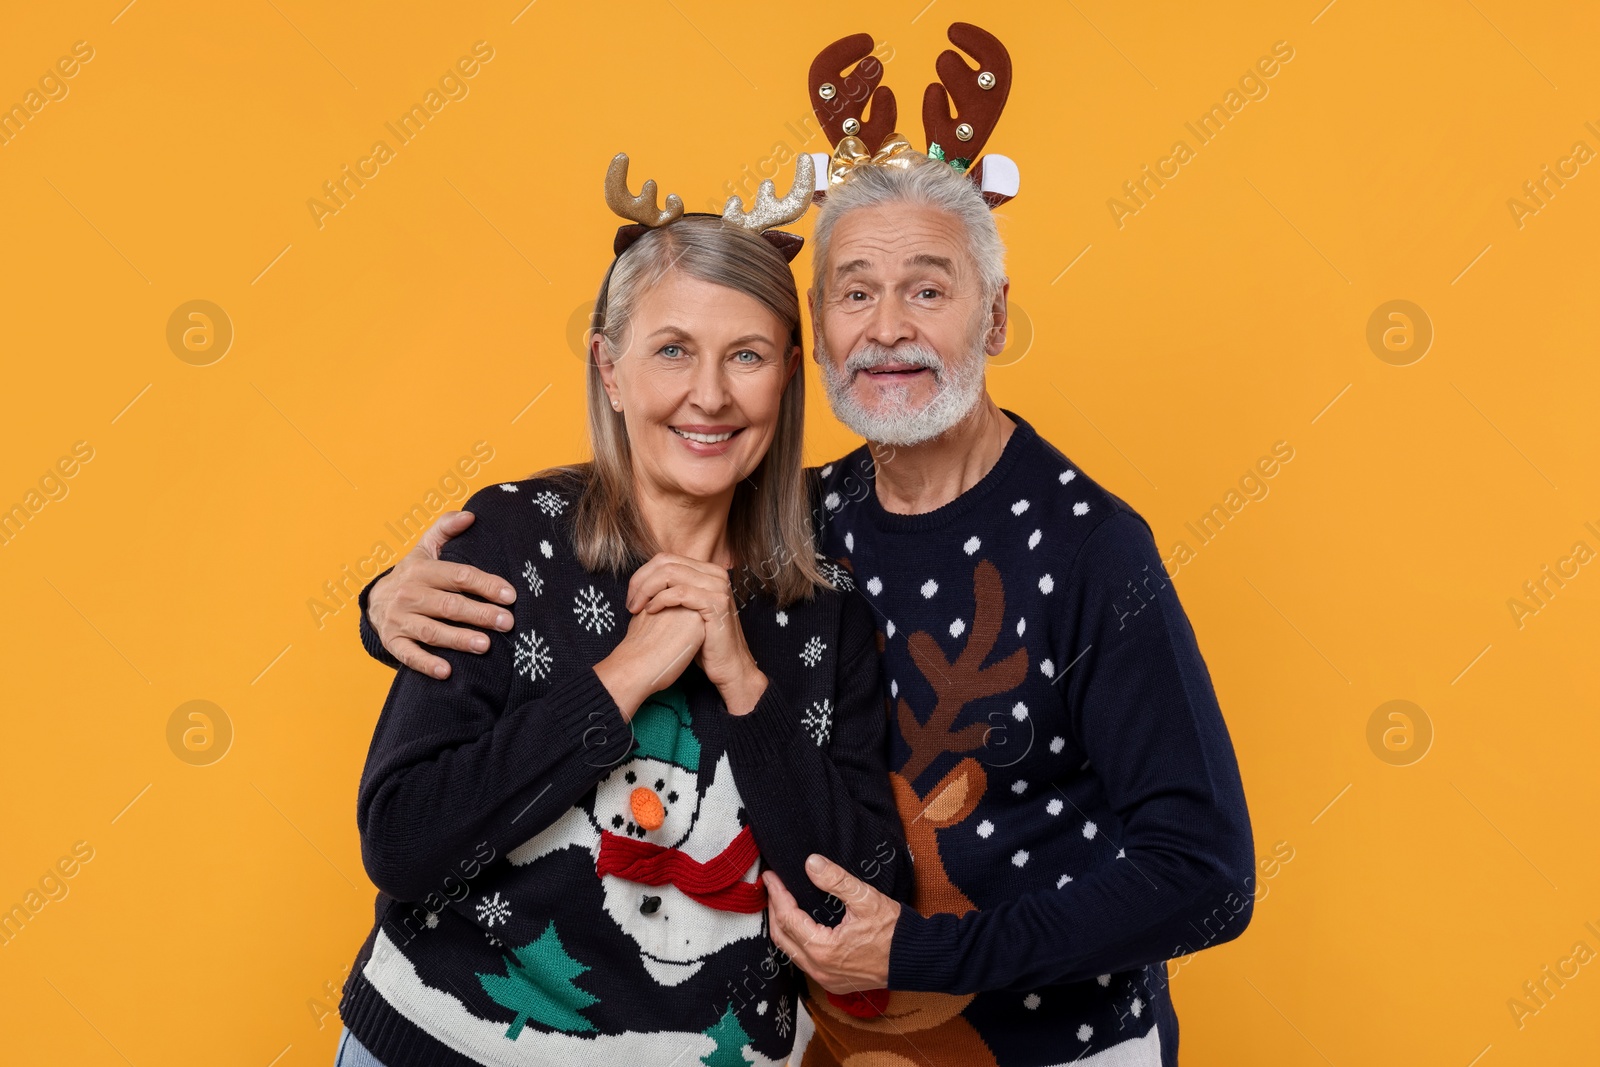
x=896, y=370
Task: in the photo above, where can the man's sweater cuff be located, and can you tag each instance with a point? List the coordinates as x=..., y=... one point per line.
x=923, y=955
x=763, y=735
x=369, y=636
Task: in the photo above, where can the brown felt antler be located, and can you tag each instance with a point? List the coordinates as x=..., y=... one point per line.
x=957, y=683
x=840, y=100
x=979, y=94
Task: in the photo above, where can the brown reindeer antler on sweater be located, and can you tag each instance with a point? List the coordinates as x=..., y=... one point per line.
x=958, y=682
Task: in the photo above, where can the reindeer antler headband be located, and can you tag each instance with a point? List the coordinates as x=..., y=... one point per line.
x=645, y=214
x=767, y=212
x=841, y=102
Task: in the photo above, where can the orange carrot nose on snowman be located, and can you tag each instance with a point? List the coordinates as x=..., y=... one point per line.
x=647, y=809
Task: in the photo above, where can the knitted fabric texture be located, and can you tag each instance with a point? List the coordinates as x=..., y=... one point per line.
x=559, y=885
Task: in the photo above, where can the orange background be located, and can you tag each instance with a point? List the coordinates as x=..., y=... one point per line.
x=224, y=901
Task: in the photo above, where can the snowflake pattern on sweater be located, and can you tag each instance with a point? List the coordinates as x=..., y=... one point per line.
x=593, y=610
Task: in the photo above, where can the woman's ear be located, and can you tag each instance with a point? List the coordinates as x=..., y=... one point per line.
x=796, y=356
x=813, y=304
x=607, y=368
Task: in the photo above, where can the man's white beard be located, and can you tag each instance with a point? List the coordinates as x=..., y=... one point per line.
x=957, y=387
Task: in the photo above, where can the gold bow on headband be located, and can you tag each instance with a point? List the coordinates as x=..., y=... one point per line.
x=896, y=151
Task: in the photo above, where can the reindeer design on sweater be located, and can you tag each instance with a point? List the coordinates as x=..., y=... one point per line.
x=879, y=1029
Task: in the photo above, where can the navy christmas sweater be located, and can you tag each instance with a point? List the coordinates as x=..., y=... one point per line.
x=558, y=885
x=1069, y=791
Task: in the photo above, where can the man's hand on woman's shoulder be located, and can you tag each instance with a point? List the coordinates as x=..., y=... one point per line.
x=405, y=606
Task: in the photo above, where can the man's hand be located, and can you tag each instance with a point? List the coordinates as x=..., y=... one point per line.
x=405, y=606
x=849, y=958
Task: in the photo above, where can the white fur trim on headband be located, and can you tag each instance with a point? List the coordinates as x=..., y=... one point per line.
x=1000, y=175
x=821, y=161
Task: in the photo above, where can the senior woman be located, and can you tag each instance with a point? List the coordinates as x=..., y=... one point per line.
x=567, y=832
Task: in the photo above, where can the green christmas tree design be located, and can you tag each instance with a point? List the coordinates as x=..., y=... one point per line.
x=731, y=1040
x=538, y=985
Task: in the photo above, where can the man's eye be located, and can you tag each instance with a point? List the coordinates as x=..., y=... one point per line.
x=930, y=293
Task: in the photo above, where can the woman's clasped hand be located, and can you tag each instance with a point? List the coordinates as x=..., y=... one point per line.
x=682, y=611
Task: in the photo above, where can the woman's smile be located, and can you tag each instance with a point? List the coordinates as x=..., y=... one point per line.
x=707, y=440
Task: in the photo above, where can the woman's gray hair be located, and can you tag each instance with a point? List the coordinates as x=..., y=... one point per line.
x=769, y=521
x=929, y=183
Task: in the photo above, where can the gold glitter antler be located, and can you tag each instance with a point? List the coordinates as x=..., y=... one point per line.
x=642, y=208
x=768, y=211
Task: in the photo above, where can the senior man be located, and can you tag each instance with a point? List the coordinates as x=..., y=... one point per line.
x=1069, y=791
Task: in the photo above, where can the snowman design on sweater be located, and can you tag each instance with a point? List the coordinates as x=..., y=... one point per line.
x=678, y=868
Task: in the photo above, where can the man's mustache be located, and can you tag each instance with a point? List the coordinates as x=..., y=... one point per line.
x=873, y=355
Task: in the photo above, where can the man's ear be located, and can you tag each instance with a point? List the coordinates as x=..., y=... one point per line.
x=995, y=340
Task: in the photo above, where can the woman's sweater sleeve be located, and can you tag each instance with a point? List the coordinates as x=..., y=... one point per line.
x=451, y=765
x=831, y=799
x=1142, y=703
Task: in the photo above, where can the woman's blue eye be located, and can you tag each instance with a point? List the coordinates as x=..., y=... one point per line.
x=671, y=351
x=755, y=357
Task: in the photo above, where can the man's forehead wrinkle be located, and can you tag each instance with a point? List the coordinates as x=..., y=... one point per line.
x=870, y=244
x=910, y=261
x=876, y=256
x=855, y=266
x=899, y=219
x=910, y=250
x=897, y=237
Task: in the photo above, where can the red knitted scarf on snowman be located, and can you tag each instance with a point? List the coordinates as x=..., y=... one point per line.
x=714, y=883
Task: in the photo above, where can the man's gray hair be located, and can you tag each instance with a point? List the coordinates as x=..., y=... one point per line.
x=931, y=184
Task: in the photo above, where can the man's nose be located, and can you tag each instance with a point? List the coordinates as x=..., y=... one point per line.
x=889, y=324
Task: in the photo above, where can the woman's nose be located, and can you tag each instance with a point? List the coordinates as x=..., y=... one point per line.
x=647, y=809
x=710, y=391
